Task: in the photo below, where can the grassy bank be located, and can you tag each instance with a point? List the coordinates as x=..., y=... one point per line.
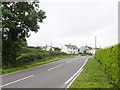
x=35, y=63
x=109, y=58
x=92, y=76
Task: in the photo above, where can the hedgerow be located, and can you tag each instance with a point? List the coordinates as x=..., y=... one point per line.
x=109, y=58
x=36, y=54
x=31, y=54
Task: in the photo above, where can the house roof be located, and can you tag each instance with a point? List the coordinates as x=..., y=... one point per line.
x=71, y=46
x=90, y=48
x=85, y=47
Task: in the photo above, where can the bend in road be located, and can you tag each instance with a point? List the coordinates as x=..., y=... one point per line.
x=52, y=75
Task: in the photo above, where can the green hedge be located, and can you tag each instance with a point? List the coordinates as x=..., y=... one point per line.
x=41, y=55
x=31, y=54
x=109, y=58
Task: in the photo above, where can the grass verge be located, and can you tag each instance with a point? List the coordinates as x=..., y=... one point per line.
x=35, y=63
x=92, y=76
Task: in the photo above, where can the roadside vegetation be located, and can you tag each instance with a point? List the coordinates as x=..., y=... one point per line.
x=85, y=53
x=92, y=76
x=100, y=71
x=109, y=59
x=34, y=56
x=18, y=20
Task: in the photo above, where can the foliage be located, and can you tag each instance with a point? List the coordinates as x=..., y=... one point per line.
x=55, y=53
x=57, y=49
x=109, y=59
x=18, y=19
x=34, y=54
x=34, y=63
x=92, y=76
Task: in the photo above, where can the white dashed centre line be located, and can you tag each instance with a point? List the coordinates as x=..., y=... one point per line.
x=54, y=67
x=16, y=81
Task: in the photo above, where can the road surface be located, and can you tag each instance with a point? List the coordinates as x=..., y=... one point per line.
x=57, y=74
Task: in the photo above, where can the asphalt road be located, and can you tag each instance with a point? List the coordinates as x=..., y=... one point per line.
x=57, y=74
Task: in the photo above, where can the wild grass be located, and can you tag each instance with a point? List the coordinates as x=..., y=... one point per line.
x=92, y=76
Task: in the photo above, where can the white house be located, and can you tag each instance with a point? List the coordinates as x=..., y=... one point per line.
x=86, y=49
x=47, y=47
x=94, y=50
x=70, y=49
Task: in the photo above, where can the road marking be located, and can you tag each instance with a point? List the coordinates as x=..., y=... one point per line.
x=69, y=61
x=76, y=73
x=33, y=67
x=74, y=78
x=16, y=81
x=54, y=67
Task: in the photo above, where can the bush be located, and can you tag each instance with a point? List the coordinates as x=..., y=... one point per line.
x=37, y=54
x=109, y=59
x=56, y=53
x=25, y=50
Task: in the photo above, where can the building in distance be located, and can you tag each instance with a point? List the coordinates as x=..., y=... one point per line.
x=70, y=49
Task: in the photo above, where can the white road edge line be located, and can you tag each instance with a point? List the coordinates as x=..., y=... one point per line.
x=76, y=74
x=16, y=81
x=74, y=78
x=54, y=67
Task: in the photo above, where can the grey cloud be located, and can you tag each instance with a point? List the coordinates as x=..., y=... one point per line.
x=77, y=22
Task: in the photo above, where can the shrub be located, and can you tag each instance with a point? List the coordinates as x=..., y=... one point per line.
x=25, y=50
x=36, y=54
x=109, y=58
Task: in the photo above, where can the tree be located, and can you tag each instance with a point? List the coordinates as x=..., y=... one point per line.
x=18, y=19
x=57, y=49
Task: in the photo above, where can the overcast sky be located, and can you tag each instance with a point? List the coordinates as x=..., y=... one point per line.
x=77, y=22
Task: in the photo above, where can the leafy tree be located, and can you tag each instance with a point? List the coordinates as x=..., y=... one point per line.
x=57, y=49
x=18, y=19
